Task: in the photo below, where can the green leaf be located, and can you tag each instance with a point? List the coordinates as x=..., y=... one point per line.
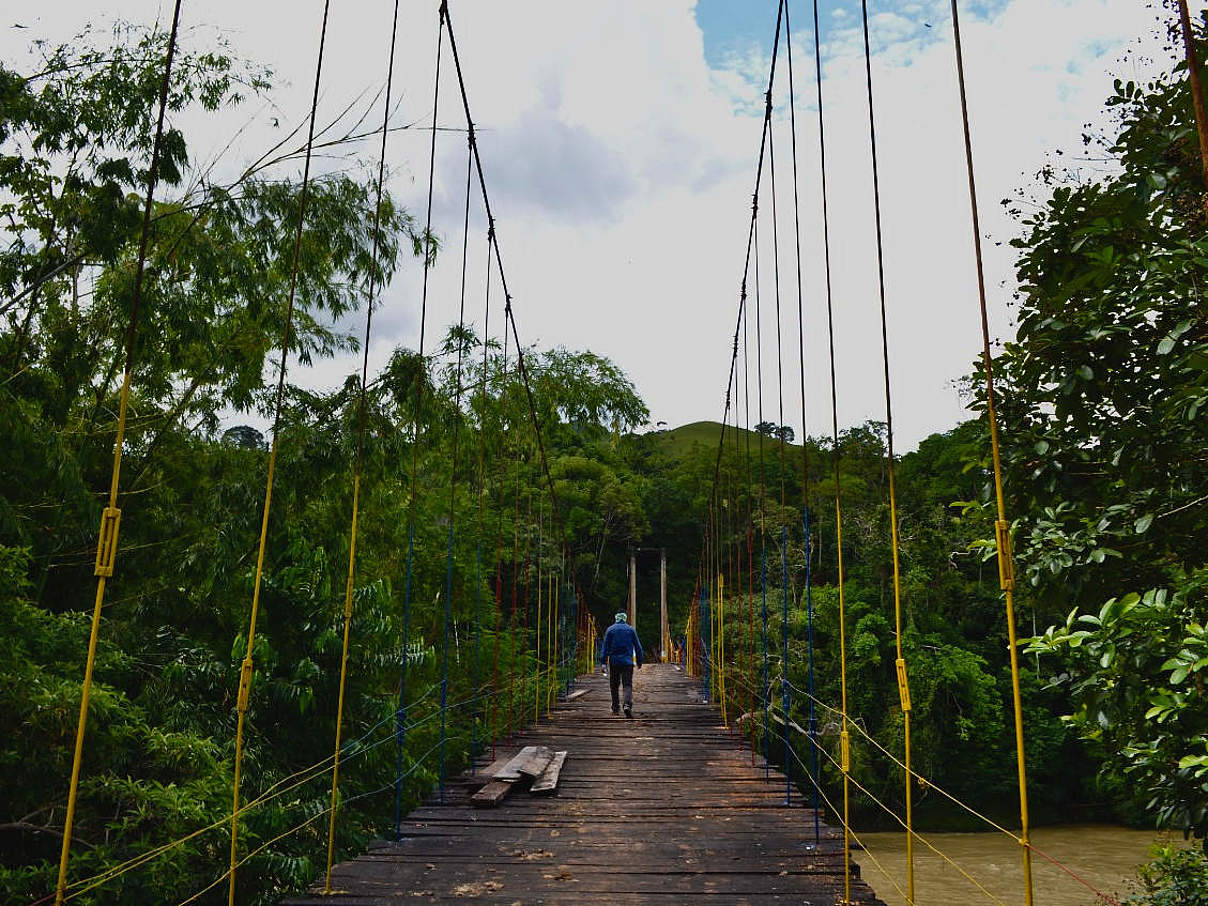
x=1166, y=345
x=1143, y=523
x=1086, y=373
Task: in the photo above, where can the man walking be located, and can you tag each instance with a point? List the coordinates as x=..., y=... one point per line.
x=622, y=651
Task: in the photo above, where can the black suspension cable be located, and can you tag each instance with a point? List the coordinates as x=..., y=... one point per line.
x=421, y=373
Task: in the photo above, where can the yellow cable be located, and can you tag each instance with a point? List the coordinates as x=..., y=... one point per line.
x=313, y=771
x=873, y=858
x=845, y=736
x=348, y=590
x=930, y=785
x=537, y=655
x=246, y=668
x=112, y=515
x=721, y=645
x=553, y=649
x=926, y=842
x=903, y=687
x=1006, y=569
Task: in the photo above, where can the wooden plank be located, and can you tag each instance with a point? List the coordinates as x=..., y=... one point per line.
x=534, y=766
x=578, y=693
x=492, y=794
x=510, y=771
x=547, y=783
x=493, y=769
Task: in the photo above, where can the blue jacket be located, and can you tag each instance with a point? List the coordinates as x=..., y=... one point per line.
x=621, y=645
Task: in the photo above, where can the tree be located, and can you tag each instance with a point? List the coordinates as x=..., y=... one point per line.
x=75, y=141
x=1102, y=392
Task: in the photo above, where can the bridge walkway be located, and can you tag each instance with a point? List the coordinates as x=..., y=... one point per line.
x=664, y=808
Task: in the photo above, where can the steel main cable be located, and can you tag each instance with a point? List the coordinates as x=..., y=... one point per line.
x=805, y=510
x=482, y=496
x=763, y=516
x=499, y=507
x=455, y=429
x=844, y=735
x=357, y=469
x=903, y=683
x=509, y=312
x=246, y=668
x=1002, y=530
x=780, y=431
x=767, y=118
x=106, y=552
x=421, y=369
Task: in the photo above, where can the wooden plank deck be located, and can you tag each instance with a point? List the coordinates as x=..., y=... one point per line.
x=662, y=808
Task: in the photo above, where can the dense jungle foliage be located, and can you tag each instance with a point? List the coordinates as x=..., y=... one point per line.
x=1101, y=395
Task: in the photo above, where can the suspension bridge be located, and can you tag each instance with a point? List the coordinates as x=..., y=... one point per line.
x=715, y=791
x=670, y=806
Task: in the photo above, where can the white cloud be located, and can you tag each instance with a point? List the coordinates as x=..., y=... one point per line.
x=621, y=168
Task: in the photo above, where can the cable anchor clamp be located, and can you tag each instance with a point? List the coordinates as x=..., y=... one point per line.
x=245, y=684
x=106, y=546
x=903, y=685
x=1006, y=562
x=845, y=752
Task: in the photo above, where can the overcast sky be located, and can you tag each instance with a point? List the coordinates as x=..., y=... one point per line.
x=619, y=140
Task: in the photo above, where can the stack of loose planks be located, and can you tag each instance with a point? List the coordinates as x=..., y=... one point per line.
x=539, y=766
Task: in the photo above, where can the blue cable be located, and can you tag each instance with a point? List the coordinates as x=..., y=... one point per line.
x=763, y=587
x=813, y=725
x=444, y=659
x=400, y=732
x=784, y=659
x=477, y=671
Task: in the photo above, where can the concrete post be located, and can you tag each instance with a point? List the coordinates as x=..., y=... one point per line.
x=664, y=631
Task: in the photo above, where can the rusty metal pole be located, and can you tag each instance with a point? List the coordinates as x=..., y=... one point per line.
x=1197, y=90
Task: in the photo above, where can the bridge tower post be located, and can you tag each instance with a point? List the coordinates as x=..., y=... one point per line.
x=664, y=631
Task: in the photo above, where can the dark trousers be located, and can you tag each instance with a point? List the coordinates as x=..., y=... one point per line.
x=621, y=675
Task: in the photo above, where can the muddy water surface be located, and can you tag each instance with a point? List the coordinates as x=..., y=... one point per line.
x=1104, y=856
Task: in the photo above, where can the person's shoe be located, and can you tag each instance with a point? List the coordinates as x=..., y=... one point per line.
x=616, y=712
x=629, y=713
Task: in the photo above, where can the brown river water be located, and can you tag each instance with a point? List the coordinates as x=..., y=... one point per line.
x=1103, y=855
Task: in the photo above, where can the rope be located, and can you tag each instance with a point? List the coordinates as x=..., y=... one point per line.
x=1006, y=569
x=421, y=370
x=111, y=516
x=246, y=669
x=356, y=480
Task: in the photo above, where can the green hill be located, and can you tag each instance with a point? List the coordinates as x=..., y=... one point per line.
x=680, y=442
